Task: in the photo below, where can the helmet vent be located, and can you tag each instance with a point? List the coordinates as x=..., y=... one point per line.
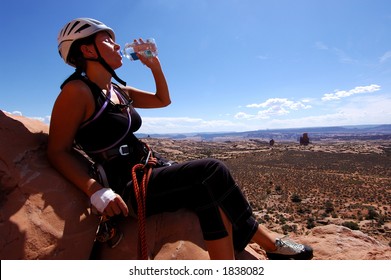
x=85, y=26
x=73, y=26
x=65, y=30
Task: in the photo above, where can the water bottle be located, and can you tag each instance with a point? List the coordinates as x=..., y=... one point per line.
x=147, y=49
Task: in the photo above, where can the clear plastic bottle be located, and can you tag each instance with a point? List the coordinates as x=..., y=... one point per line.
x=147, y=49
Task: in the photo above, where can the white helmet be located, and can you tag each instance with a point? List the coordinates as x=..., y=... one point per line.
x=77, y=29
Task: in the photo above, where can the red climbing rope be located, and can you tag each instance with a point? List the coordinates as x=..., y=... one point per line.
x=140, y=191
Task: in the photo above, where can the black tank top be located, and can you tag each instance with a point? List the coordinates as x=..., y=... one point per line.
x=111, y=125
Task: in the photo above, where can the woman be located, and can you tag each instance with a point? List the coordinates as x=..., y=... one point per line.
x=98, y=117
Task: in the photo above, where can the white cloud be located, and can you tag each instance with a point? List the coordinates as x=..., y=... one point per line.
x=260, y=115
x=263, y=57
x=321, y=46
x=42, y=119
x=342, y=56
x=359, y=110
x=386, y=56
x=186, y=125
x=280, y=103
x=338, y=94
x=16, y=113
x=273, y=107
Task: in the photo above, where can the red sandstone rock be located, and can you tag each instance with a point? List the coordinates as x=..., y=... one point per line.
x=332, y=242
x=42, y=215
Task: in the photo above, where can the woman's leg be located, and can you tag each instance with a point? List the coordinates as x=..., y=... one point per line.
x=222, y=249
x=207, y=187
x=265, y=238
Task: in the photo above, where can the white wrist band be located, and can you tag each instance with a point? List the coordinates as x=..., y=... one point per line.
x=101, y=198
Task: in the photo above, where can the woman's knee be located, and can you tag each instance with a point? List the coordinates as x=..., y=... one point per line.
x=217, y=173
x=215, y=164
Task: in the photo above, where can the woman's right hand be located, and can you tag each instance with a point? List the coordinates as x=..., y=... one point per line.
x=116, y=206
x=109, y=203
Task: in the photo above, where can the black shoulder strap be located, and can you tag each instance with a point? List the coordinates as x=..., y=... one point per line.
x=75, y=76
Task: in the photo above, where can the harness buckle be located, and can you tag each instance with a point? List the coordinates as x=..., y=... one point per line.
x=124, y=150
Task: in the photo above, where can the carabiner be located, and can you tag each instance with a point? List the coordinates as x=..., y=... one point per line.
x=147, y=159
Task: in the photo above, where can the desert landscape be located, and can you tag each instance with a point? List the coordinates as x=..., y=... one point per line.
x=293, y=188
x=331, y=192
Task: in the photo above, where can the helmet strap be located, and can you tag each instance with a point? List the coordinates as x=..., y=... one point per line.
x=106, y=66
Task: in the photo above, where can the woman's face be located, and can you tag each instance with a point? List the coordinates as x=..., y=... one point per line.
x=108, y=49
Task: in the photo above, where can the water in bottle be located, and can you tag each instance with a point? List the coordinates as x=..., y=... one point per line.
x=147, y=49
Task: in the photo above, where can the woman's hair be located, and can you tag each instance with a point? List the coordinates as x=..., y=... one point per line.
x=75, y=55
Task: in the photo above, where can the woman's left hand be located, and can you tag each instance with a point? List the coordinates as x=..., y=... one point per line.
x=152, y=63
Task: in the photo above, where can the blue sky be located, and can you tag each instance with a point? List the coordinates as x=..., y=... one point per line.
x=231, y=65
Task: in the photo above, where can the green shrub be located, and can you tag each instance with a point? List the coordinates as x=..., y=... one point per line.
x=295, y=198
x=329, y=207
x=310, y=223
x=287, y=228
x=266, y=217
x=372, y=214
x=351, y=225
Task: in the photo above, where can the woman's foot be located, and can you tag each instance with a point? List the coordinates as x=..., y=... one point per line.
x=290, y=250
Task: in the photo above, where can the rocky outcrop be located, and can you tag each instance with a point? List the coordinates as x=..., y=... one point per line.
x=170, y=236
x=43, y=216
x=304, y=140
x=332, y=242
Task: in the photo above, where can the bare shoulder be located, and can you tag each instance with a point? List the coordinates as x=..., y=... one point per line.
x=76, y=89
x=75, y=99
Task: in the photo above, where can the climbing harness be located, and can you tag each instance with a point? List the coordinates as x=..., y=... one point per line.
x=107, y=231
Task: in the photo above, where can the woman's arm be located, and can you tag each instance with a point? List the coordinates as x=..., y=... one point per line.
x=69, y=111
x=145, y=99
x=74, y=105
